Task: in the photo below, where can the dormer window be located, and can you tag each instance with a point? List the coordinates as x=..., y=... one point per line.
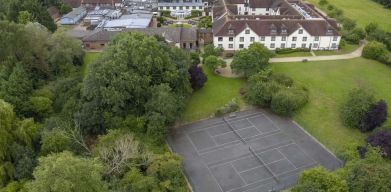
x=247, y=31
x=230, y=32
x=273, y=30
x=283, y=31
x=300, y=31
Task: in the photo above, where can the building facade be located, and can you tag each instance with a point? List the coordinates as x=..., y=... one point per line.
x=275, y=24
x=181, y=5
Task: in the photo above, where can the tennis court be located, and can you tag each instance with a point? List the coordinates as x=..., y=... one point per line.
x=252, y=151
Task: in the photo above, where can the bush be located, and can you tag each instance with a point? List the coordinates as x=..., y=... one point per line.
x=227, y=108
x=348, y=24
x=287, y=101
x=323, y=2
x=195, y=58
x=354, y=36
x=212, y=62
x=358, y=103
x=197, y=77
x=290, y=50
x=374, y=50
x=374, y=117
x=319, y=179
x=381, y=139
x=371, y=27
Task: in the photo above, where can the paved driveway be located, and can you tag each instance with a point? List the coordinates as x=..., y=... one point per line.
x=253, y=151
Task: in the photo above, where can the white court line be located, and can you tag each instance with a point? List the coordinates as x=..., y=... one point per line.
x=289, y=161
x=191, y=142
x=237, y=173
x=254, y=125
x=272, y=122
x=210, y=171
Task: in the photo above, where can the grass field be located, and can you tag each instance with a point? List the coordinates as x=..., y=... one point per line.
x=216, y=92
x=294, y=54
x=363, y=11
x=89, y=57
x=348, y=48
x=184, y=25
x=328, y=83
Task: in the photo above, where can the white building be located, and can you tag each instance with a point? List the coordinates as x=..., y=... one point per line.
x=181, y=5
x=274, y=23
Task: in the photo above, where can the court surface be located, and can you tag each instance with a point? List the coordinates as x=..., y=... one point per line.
x=252, y=151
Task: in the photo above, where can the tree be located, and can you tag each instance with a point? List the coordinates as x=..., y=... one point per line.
x=198, y=78
x=25, y=17
x=63, y=172
x=195, y=58
x=122, y=80
x=252, y=60
x=374, y=50
x=134, y=180
x=348, y=24
x=65, y=8
x=42, y=106
x=210, y=49
x=55, y=141
x=260, y=89
x=213, y=62
x=319, y=179
x=374, y=117
x=205, y=22
x=355, y=107
x=355, y=35
x=371, y=27
x=381, y=139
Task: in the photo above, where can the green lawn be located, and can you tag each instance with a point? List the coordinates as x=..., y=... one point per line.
x=184, y=25
x=216, y=92
x=89, y=57
x=364, y=12
x=328, y=83
x=348, y=48
x=294, y=54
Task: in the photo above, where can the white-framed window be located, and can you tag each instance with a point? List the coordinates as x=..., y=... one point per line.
x=267, y=9
x=174, y=7
x=304, y=38
x=200, y=7
x=316, y=38
x=241, y=39
x=241, y=46
x=231, y=45
x=303, y=45
x=316, y=45
x=230, y=31
x=263, y=38
x=247, y=31
x=283, y=31
x=252, y=39
x=220, y=45
x=293, y=45
x=187, y=7
x=283, y=38
x=272, y=45
x=335, y=38
x=194, y=7
x=273, y=38
x=334, y=45
x=220, y=38
x=230, y=39
x=294, y=38
x=300, y=31
x=282, y=45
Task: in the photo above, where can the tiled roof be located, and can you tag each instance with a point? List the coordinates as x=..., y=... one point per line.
x=73, y=3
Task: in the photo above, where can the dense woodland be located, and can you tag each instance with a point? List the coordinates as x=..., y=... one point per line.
x=61, y=131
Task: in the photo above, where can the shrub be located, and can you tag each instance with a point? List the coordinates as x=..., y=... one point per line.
x=282, y=79
x=355, y=35
x=319, y=179
x=287, y=101
x=371, y=27
x=195, y=58
x=354, y=108
x=374, y=117
x=348, y=24
x=227, y=108
x=381, y=139
x=197, y=77
x=374, y=50
x=290, y=50
x=323, y=2
x=330, y=7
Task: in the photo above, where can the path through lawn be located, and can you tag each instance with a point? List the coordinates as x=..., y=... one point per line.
x=328, y=83
x=216, y=93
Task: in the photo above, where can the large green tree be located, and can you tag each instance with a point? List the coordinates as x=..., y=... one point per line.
x=252, y=60
x=64, y=172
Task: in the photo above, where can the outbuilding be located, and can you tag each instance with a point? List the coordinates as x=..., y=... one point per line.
x=74, y=16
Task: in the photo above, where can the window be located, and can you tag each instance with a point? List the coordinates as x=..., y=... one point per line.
x=220, y=39
x=273, y=38
x=283, y=38
x=334, y=45
x=187, y=7
x=263, y=38
x=335, y=38
x=180, y=8
x=102, y=45
x=254, y=9
x=231, y=39
x=303, y=45
x=230, y=45
x=252, y=39
x=247, y=31
x=174, y=7
x=161, y=7
x=194, y=7
x=200, y=7
x=241, y=46
x=316, y=45
x=293, y=45
x=220, y=45
x=294, y=38
x=184, y=45
x=272, y=45
x=273, y=31
x=241, y=39
x=283, y=45
x=300, y=31
x=191, y=45
x=283, y=31
x=304, y=38
x=231, y=32
x=267, y=9
x=316, y=38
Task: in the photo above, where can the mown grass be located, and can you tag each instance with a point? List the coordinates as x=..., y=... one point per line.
x=348, y=48
x=216, y=92
x=329, y=83
x=363, y=11
x=294, y=54
x=89, y=57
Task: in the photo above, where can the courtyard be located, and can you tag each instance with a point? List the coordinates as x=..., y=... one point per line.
x=249, y=151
